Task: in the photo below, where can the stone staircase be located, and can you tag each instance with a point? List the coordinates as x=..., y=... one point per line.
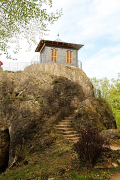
x=65, y=128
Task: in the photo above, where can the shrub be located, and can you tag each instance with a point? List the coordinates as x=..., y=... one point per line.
x=79, y=114
x=40, y=101
x=54, y=80
x=90, y=146
x=16, y=117
x=20, y=153
x=7, y=98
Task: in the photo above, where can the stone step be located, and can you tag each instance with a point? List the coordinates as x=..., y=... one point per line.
x=76, y=110
x=74, y=139
x=71, y=136
x=69, y=132
x=64, y=123
x=68, y=118
x=115, y=148
x=63, y=126
x=65, y=129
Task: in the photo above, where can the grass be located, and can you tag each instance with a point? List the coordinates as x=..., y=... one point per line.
x=43, y=164
x=44, y=173
x=56, y=161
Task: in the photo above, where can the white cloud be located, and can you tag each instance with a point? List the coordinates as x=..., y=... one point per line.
x=92, y=23
x=102, y=65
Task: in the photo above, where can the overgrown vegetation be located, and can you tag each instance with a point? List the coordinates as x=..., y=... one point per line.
x=57, y=160
x=110, y=91
x=36, y=104
x=90, y=146
x=54, y=80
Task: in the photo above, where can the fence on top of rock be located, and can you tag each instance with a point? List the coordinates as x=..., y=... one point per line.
x=17, y=66
x=20, y=66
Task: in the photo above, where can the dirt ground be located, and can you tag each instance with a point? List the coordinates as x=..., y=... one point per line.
x=115, y=176
x=115, y=144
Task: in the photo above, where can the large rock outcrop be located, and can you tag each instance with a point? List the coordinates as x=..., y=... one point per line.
x=94, y=113
x=71, y=72
x=40, y=96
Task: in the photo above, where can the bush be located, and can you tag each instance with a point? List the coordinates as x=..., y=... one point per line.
x=54, y=80
x=90, y=146
x=20, y=153
x=40, y=101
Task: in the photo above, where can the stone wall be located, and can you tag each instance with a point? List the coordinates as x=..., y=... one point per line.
x=61, y=57
x=72, y=73
x=43, y=56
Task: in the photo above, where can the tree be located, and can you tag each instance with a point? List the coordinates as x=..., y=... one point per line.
x=103, y=85
x=114, y=98
x=26, y=19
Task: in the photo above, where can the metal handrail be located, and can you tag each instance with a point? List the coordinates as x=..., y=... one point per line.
x=79, y=64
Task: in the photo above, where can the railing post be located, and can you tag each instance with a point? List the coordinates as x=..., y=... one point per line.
x=79, y=64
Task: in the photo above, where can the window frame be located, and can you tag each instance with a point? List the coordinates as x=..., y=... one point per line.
x=69, y=57
x=54, y=53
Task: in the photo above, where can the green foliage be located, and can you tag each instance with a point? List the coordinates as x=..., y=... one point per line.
x=16, y=117
x=69, y=67
x=40, y=101
x=1, y=83
x=20, y=153
x=7, y=98
x=54, y=80
x=74, y=176
x=90, y=146
x=103, y=85
x=12, y=81
x=31, y=136
x=22, y=96
x=23, y=19
x=110, y=91
x=30, y=98
x=79, y=113
x=6, y=71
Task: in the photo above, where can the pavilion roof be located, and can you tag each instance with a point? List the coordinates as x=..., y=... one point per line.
x=42, y=43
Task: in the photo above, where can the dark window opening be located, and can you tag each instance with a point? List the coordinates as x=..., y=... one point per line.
x=6, y=159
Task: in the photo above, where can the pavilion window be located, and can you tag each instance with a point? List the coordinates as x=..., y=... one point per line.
x=69, y=55
x=53, y=55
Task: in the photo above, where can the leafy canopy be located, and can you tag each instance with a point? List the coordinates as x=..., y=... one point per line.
x=26, y=19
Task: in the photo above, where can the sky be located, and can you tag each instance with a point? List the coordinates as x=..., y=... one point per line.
x=93, y=23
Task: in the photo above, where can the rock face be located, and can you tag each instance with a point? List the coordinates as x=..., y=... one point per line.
x=30, y=97
x=71, y=72
x=96, y=113
x=111, y=133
